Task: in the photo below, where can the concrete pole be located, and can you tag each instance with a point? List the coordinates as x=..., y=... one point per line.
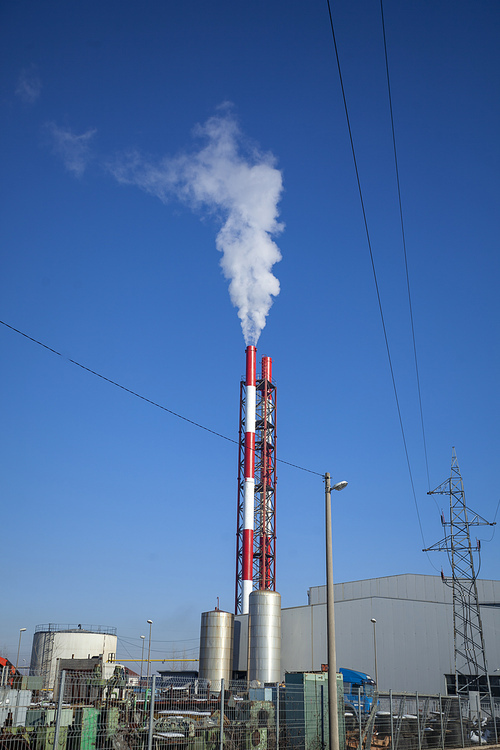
x=150, y=623
x=333, y=715
x=59, y=708
x=151, y=713
x=21, y=631
x=142, y=657
x=373, y=620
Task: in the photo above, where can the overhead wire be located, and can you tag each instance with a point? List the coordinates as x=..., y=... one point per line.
x=124, y=642
x=144, y=398
x=372, y=260
x=493, y=523
x=404, y=243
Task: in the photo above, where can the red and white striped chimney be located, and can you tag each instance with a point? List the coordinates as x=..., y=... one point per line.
x=249, y=484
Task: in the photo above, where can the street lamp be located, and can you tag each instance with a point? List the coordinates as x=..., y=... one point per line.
x=375, y=648
x=333, y=715
x=142, y=653
x=150, y=623
x=21, y=631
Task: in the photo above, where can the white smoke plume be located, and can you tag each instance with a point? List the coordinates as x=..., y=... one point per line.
x=72, y=148
x=242, y=186
x=29, y=85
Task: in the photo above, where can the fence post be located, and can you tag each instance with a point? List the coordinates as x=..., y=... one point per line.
x=418, y=721
x=392, y=720
x=151, y=712
x=441, y=720
x=493, y=717
x=60, y=697
x=479, y=719
x=221, y=733
x=359, y=720
x=277, y=716
x=459, y=698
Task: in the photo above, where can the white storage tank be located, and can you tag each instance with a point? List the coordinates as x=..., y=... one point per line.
x=265, y=636
x=216, y=647
x=53, y=642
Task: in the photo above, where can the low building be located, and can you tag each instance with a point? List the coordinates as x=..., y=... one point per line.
x=414, y=631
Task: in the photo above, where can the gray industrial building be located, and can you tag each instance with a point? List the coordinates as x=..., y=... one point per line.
x=414, y=631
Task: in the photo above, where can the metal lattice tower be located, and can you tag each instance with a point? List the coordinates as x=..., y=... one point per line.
x=471, y=671
x=265, y=481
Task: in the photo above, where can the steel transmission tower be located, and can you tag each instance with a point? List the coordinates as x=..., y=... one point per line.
x=471, y=672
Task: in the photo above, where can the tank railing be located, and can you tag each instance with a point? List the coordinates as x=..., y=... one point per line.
x=53, y=627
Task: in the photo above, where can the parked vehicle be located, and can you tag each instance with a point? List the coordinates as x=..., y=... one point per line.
x=359, y=690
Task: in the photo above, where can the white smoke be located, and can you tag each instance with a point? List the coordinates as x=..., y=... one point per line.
x=73, y=149
x=244, y=190
x=29, y=85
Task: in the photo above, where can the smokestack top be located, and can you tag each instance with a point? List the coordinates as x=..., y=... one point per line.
x=267, y=368
x=251, y=352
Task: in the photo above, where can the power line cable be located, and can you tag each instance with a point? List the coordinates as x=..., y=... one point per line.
x=122, y=642
x=144, y=398
x=404, y=243
x=373, y=266
x=133, y=641
x=493, y=524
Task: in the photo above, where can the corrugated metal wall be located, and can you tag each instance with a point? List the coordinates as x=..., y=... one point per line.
x=414, y=630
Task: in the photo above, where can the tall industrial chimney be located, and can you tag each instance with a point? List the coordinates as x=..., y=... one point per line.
x=249, y=478
x=255, y=534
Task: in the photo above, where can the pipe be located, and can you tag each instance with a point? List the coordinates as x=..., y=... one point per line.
x=249, y=479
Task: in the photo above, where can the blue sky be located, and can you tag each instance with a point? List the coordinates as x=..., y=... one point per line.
x=116, y=511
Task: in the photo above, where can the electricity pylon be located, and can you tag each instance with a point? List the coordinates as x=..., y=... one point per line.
x=471, y=671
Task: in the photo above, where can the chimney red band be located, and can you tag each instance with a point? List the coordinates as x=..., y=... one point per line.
x=267, y=368
x=247, y=554
x=249, y=455
x=251, y=352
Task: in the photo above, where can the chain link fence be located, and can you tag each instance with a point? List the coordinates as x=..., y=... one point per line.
x=84, y=711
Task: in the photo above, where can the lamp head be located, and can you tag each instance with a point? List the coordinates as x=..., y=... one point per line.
x=340, y=485
x=373, y=620
x=21, y=630
x=150, y=622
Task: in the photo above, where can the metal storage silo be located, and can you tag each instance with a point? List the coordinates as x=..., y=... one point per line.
x=53, y=642
x=265, y=636
x=216, y=647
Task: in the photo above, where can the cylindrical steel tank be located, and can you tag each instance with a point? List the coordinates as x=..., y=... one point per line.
x=265, y=636
x=216, y=647
x=53, y=642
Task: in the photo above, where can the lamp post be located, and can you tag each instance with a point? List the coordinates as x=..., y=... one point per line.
x=150, y=623
x=142, y=655
x=21, y=631
x=375, y=649
x=333, y=716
